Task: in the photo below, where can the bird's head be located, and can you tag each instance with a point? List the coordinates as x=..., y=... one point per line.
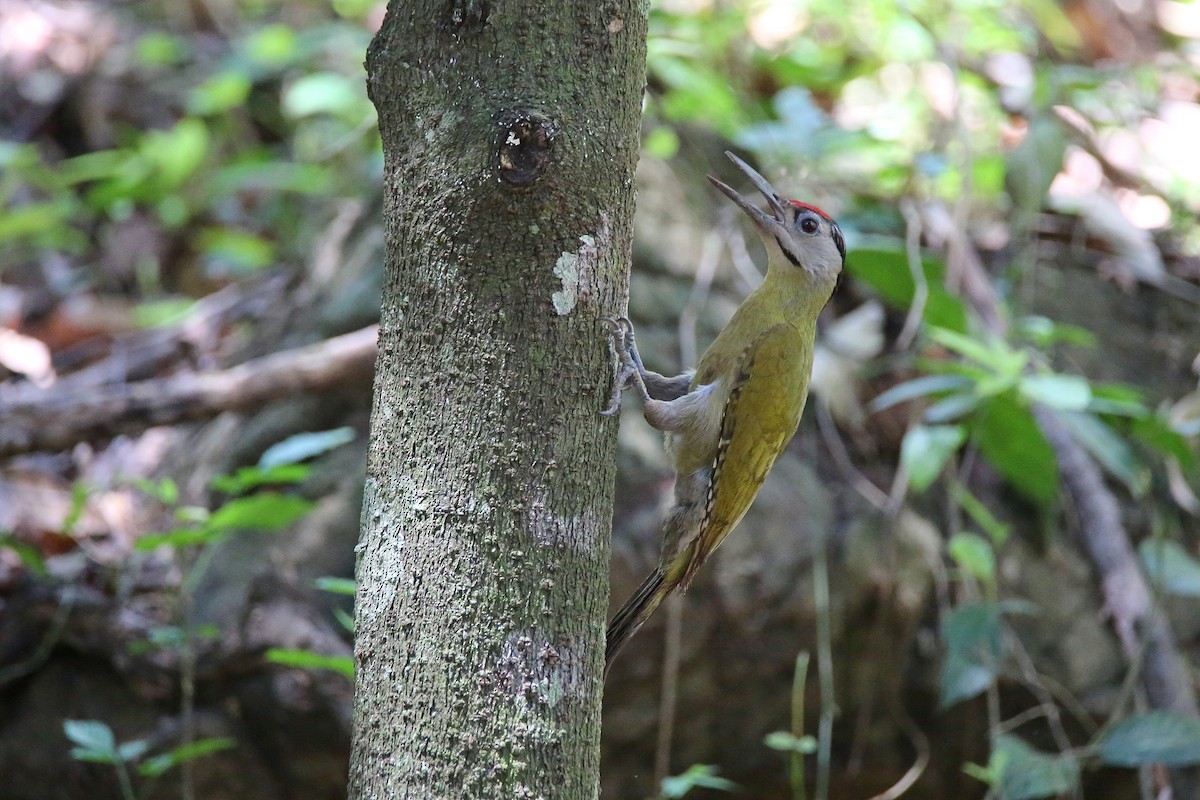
x=796, y=234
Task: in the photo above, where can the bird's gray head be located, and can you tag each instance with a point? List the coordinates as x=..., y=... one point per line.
x=797, y=233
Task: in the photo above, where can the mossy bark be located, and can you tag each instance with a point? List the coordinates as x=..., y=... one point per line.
x=510, y=139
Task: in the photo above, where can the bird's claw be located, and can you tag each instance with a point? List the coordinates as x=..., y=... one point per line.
x=627, y=366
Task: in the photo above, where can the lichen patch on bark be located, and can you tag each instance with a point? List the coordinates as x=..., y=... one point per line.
x=577, y=270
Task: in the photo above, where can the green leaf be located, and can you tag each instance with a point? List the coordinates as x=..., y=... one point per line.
x=698, y=776
x=1011, y=441
x=661, y=142
x=1109, y=449
x=1033, y=164
x=1171, y=567
x=321, y=93
x=918, y=387
x=28, y=554
x=1054, y=23
x=221, y=92
x=168, y=311
x=886, y=270
x=157, y=49
x=925, y=450
x=979, y=513
x=1045, y=332
x=1158, y=433
x=268, y=511
x=79, y=495
x=176, y=153
x=346, y=586
x=92, y=737
x=133, y=749
x=966, y=346
x=248, y=478
x=164, y=491
x=235, y=251
x=1066, y=392
x=344, y=619
x=788, y=743
x=307, y=659
x=1028, y=774
x=1156, y=737
x=1003, y=362
x=974, y=554
x=972, y=636
x=272, y=45
x=158, y=765
x=179, y=538
x=304, y=445
x=951, y=408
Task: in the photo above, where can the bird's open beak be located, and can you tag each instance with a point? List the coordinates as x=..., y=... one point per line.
x=765, y=222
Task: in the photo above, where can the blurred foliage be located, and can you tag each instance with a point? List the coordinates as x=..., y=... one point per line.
x=945, y=105
x=95, y=742
x=269, y=126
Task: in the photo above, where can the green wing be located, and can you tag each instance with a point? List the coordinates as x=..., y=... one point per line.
x=758, y=420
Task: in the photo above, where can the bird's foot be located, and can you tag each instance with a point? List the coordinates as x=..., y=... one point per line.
x=627, y=369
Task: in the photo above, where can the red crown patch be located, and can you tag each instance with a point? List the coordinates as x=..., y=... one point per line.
x=812, y=208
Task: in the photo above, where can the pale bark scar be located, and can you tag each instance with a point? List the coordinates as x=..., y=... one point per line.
x=577, y=271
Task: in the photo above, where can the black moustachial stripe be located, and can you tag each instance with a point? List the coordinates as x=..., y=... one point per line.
x=788, y=253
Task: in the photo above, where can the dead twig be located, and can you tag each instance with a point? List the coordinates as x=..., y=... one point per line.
x=55, y=420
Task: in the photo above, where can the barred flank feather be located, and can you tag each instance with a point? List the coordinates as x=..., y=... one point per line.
x=633, y=614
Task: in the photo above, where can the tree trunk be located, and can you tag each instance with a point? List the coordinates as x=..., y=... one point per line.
x=510, y=139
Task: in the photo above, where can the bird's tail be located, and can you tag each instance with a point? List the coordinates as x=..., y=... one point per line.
x=633, y=614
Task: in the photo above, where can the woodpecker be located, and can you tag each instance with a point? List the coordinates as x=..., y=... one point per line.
x=728, y=420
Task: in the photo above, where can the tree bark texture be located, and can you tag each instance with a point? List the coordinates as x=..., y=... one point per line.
x=510, y=136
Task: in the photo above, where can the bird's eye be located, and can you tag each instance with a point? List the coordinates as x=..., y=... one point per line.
x=809, y=225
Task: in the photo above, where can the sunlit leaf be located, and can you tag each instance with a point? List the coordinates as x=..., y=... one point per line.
x=92, y=737
x=925, y=450
x=1066, y=392
x=272, y=45
x=661, y=142
x=788, y=743
x=236, y=250
x=304, y=445
x=346, y=586
x=698, y=776
x=221, y=92
x=974, y=554
x=307, y=659
x=321, y=93
x=269, y=511
x=133, y=749
x=248, y=478
x=176, y=153
x=918, y=387
x=952, y=408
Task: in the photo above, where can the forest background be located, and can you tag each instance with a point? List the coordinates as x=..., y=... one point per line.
x=984, y=539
